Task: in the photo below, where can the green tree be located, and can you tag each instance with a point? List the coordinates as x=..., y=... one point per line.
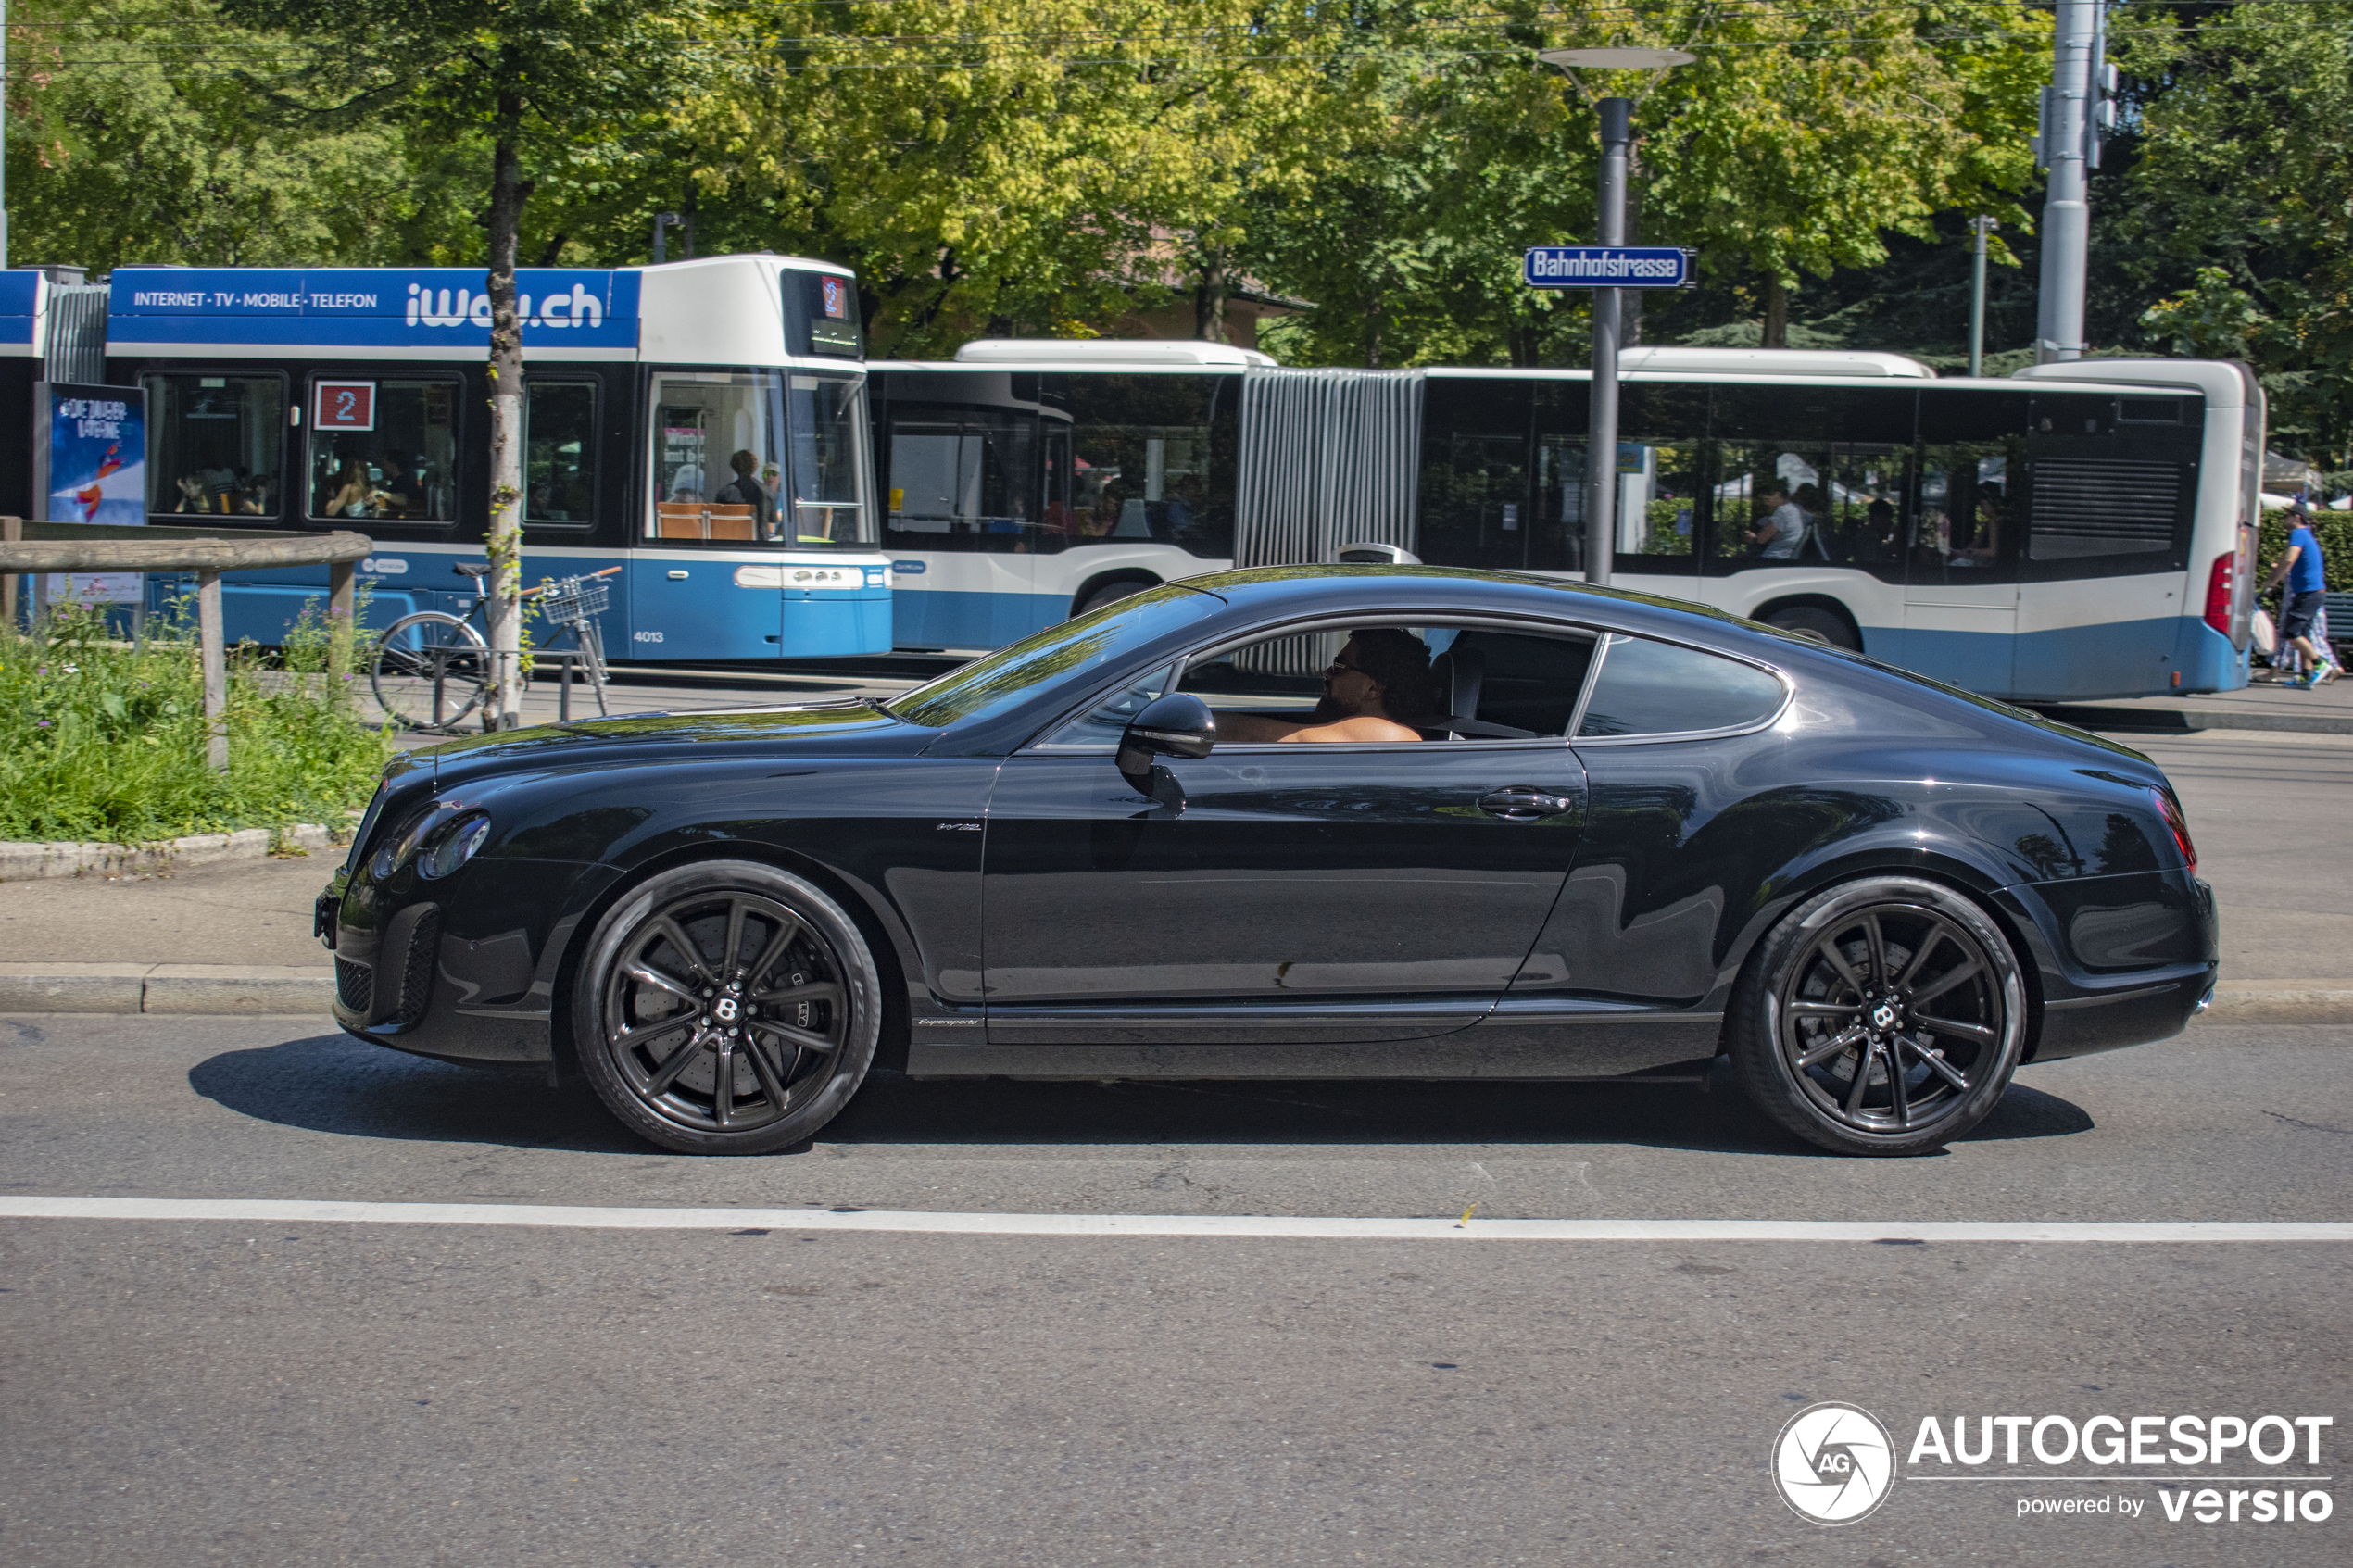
x=134, y=135
x=989, y=165
x=2246, y=172
x=540, y=81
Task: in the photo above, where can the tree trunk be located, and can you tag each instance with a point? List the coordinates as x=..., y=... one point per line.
x=1209, y=299
x=1372, y=333
x=1776, y=314
x=505, y=539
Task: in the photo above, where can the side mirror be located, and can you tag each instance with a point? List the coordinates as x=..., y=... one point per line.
x=1176, y=725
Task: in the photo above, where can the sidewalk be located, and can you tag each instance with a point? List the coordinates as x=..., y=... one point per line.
x=2319, y=710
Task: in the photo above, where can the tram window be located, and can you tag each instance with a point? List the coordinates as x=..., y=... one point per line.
x=218, y=444
x=393, y=456
x=718, y=456
x=560, y=451
x=828, y=470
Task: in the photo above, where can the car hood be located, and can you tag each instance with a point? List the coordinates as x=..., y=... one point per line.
x=842, y=728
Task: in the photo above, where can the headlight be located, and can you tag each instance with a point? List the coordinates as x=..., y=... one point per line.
x=423, y=828
x=456, y=847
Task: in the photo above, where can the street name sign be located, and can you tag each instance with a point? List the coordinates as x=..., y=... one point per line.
x=1608, y=267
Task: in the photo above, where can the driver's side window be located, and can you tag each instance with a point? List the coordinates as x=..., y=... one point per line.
x=1443, y=684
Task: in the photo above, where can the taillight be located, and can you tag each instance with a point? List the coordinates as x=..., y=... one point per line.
x=2219, y=584
x=2171, y=810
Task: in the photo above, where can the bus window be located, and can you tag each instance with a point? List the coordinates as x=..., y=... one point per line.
x=560, y=451
x=1151, y=458
x=1474, y=504
x=1969, y=517
x=1811, y=477
x=963, y=479
x=218, y=444
x=2114, y=486
x=384, y=450
x=828, y=471
x=717, y=451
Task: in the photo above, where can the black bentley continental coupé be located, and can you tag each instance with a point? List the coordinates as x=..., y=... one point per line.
x=1314, y=821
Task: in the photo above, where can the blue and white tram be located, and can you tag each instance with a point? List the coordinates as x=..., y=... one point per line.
x=702, y=424
x=2077, y=531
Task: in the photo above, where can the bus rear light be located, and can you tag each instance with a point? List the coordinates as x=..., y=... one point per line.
x=2171, y=810
x=2220, y=583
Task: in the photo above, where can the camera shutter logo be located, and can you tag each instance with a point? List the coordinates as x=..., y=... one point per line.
x=1833, y=1463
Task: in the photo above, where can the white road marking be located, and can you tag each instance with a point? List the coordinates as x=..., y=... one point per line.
x=276, y=1210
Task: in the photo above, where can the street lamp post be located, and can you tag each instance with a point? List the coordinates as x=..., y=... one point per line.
x=1601, y=438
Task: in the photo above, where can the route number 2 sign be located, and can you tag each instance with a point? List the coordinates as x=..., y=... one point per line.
x=346, y=404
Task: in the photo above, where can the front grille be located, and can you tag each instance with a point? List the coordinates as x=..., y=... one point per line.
x=354, y=985
x=416, y=978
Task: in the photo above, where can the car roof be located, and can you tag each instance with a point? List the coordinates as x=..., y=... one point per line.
x=1310, y=590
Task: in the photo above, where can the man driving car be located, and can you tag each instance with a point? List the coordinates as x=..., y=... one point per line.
x=1373, y=690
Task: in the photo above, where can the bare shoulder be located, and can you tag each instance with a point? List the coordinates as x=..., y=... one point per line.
x=1364, y=729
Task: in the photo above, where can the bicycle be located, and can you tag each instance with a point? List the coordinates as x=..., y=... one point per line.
x=432, y=669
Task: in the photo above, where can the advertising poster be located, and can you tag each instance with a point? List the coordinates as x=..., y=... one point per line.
x=90, y=465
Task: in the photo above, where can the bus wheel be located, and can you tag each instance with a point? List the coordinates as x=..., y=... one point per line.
x=1808, y=621
x=1111, y=593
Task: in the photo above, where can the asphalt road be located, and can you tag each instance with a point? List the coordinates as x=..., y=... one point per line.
x=236, y=1391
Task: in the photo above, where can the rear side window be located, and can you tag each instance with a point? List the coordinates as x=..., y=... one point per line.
x=1647, y=688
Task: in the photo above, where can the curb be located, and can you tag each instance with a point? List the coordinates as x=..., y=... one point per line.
x=2282, y=1001
x=204, y=988
x=166, y=987
x=22, y=862
x=2183, y=720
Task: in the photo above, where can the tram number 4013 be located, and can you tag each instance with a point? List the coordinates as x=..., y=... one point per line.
x=645, y=636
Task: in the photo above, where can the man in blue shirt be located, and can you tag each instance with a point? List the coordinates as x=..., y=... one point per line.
x=2306, y=584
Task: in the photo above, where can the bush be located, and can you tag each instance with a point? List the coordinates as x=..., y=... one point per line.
x=2334, y=532
x=99, y=742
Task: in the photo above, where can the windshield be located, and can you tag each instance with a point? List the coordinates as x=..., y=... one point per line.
x=1020, y=670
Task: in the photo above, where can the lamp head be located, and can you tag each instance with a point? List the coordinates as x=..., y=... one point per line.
x=1615, y=59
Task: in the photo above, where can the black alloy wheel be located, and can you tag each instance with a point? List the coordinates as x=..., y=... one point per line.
x=726, y=1008
x=1883, y=1016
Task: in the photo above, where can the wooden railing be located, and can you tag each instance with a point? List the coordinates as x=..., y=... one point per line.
x=76, y=546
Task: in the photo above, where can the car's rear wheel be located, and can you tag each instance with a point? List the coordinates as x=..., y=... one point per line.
x=1883, y=1016
x=726, y=1008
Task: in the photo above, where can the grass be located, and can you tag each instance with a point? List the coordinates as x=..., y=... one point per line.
x=98, y=741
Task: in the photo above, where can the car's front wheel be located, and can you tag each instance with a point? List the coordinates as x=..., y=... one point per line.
x=726, y=1008
x=1883, y=1016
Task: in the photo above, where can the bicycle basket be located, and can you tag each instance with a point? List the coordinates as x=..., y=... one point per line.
x=574, y=598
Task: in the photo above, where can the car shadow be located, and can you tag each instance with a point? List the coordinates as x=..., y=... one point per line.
x=333, y=1083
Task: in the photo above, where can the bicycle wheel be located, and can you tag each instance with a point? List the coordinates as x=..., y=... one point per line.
x=430, y=669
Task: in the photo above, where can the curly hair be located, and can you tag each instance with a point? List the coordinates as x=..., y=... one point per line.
x=1398, y=663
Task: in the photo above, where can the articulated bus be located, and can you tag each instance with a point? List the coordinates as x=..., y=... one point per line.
x=2076, y=531
x=700, y=424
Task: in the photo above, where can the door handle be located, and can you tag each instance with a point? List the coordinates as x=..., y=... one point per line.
x=1519, y=803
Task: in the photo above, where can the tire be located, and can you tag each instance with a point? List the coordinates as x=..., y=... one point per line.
x=1111, y=593
x=780, y=1036
x=1882, y=968
x=430, y=670
x=1810, y=621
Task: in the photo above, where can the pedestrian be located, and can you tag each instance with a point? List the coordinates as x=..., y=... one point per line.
x=2307, y=586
